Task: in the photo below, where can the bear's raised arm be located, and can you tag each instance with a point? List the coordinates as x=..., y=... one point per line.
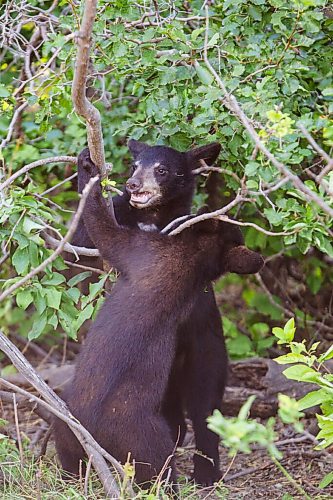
x=108, y=237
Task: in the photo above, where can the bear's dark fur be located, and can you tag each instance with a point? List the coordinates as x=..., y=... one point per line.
x=199, y=371
x=133, y=349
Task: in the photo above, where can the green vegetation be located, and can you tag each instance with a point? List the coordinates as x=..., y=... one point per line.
x=149, y=79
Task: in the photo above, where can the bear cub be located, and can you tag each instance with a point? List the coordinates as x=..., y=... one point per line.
x=123, y=369
x=159, y=190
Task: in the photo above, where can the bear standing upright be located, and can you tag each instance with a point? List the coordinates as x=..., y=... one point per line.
x=123, y=370
x=159, y=190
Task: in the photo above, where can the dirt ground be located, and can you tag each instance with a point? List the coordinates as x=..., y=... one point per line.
x=245, y=476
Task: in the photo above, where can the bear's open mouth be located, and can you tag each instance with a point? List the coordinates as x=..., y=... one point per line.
x=143, y=198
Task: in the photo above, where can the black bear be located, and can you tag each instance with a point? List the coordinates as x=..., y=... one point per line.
x=123, y=370
x=198, y=376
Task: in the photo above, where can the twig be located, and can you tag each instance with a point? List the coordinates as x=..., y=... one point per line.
x=53, y=256
x=219, y=214
x=292, y=481
x=86, y=477
x=18, y=433
x=57, y=407
x=258, y=228
x=87, y=252
x=24, y=402
x=44, y=442
x=38, y=163
x=16, y=116
x=59, y=184
x=45, y=67
x=234, y=106
x=245, y=472
x=239, y=198
x=85, y=268
x=320, y=151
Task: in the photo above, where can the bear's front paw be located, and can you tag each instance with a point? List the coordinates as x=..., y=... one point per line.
x=85, y=162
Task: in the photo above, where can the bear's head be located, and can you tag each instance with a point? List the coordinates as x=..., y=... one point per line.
x=160, y=174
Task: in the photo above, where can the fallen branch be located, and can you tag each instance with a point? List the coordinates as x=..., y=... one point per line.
x=60, y=248
x=57, y=406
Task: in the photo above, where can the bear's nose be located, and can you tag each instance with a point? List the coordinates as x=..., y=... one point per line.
x=133, y=185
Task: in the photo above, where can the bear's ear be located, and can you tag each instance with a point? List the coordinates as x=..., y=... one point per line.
x=241, y=260
x=208, y=153
x=136, y=147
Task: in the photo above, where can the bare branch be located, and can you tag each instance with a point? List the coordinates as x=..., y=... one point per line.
x=38, y=163
x=219, y=214
x=17, y=113
x=230, y=101
x=252, y=224
x=211, y=215
x=85, y=268
x=60, y=248
x=87, y=252
x=320, y=151
x=81, y=104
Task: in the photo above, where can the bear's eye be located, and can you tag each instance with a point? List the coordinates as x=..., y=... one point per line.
x=133, y=168
x=161, y=170
x=179, y=174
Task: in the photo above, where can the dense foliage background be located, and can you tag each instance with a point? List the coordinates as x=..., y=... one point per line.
x=149, y=80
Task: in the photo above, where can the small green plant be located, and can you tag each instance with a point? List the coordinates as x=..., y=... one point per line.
x=309, y=366
x=239, y=433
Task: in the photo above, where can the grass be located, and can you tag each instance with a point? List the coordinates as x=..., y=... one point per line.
x=33, y=479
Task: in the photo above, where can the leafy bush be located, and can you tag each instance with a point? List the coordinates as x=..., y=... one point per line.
x=239, y=433
x=152, y=84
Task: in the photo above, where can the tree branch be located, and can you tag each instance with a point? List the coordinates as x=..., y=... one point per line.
x=81, y=104
x=231, y=102
x=38, y=163
x=60, y=248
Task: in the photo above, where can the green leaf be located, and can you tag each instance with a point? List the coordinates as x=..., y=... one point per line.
x=213, y=41
x=24, y=298
x=56, y=279
x=245, y=409
x=29, y=225
x=84, y=315
x=78, y=278
x=38, y=326
x=314, y=398
x=326, y=355
x=274, y=217
x=204, y=75
x=3, y=91
x=301, y=373
x=20, y=260
x=40, y=303
x=326, y=480
x=94, y=288
x=291, y=358
x=289, y=330
x=53, y=298
x=33, y=254
x=74, y=294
